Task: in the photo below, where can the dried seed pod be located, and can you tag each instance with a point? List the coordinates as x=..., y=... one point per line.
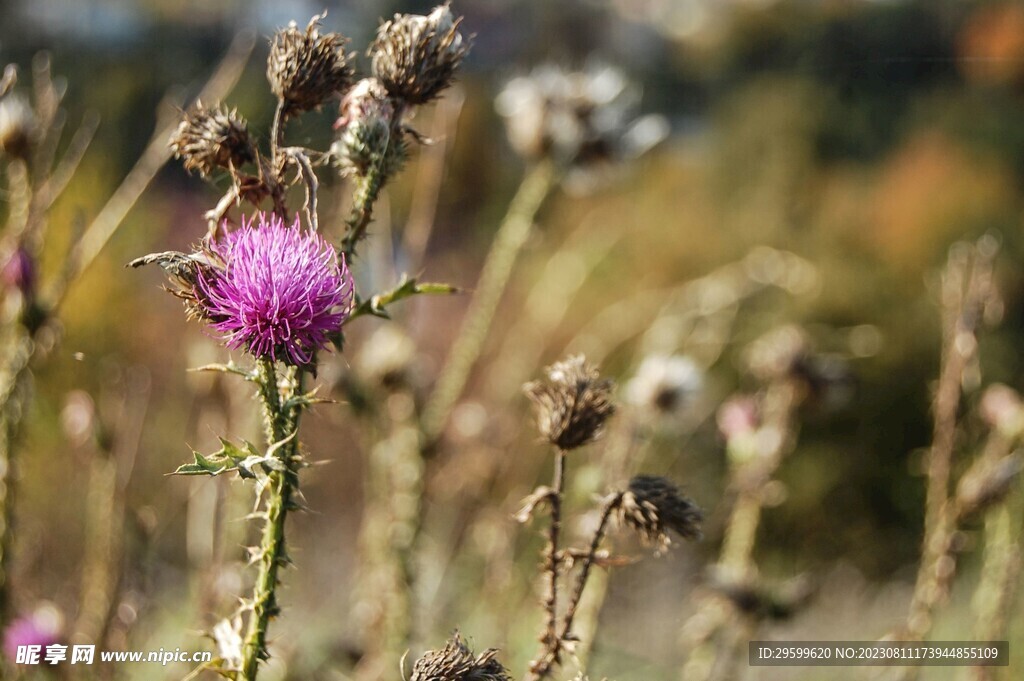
x=572, y=404
x=17, y=126
x=653, y=506
x=456, y=662
x=416, y=57
x=369, y=133
x=306, y=68
x=209, y=138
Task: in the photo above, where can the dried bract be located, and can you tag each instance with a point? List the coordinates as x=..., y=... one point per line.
x=184, y=271
x=17, y=126
x=653, y=506
x=369, y=134
x=210, y=138
x=572, y=404
x=456, y=662
x=306, y=68
x=416, y=57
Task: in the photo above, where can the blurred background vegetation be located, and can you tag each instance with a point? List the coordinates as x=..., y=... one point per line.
x=863, y=136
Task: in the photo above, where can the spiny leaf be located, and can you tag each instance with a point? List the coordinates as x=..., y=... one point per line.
x=201, y=466
x=407, y=287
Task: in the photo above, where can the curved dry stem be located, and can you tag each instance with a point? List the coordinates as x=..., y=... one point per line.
x=509, y=241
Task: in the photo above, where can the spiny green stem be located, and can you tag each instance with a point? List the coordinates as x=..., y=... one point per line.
x=365, y=195
x=509, y=241
x=280, y=424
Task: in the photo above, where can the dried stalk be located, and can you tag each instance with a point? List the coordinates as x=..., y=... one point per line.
x=466, y=349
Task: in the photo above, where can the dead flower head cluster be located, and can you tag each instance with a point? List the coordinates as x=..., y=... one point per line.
x=654, y=507
x=573, y=404
x=457, y=662
x=306, y=68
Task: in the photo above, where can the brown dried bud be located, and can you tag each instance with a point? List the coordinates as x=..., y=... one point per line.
x=572, y=404
x=305, y=68
x=212, y=138
x=416, y=56
x=653, y=506
x=456, y=662
x=17, y=126
x=370, y=135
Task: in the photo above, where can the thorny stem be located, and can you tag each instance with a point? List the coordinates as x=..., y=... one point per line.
x=280, y=425
x=551, y=643
x=13, y=385
x=607, y=509
x=967, y=286
x=509, y=241
x=365, y=195
x=1000, y=577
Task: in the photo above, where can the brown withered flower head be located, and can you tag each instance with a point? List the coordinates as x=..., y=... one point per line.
x=416, y=56
x=305, y=68
x=183, y=272
x=572, y=404
x=456, y=662
x=654, y=506
x=209, y=138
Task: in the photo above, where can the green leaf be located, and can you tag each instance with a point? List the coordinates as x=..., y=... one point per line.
x=201, y=466
x=376, y=305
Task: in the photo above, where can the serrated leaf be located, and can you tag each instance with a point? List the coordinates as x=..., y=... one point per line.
x=201, y=466
x=407, y=287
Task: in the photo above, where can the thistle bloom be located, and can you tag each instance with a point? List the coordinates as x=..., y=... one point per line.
x=40, y=628
x=279, y=292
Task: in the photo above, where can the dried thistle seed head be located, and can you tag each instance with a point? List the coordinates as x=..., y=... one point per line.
x=209, y=138
x=585, y=120
x=665, y=384
x=370, y=136
x=17, y=126
x=572, y=404
x=305, y=68
x=416, y=57
x=456, y=662
x=653, y=506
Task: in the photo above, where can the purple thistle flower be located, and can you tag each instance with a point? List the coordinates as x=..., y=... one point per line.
x=279, y=291
x=41, y=628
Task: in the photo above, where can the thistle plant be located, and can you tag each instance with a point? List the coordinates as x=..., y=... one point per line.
x=270, y=284
x=572, y=406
